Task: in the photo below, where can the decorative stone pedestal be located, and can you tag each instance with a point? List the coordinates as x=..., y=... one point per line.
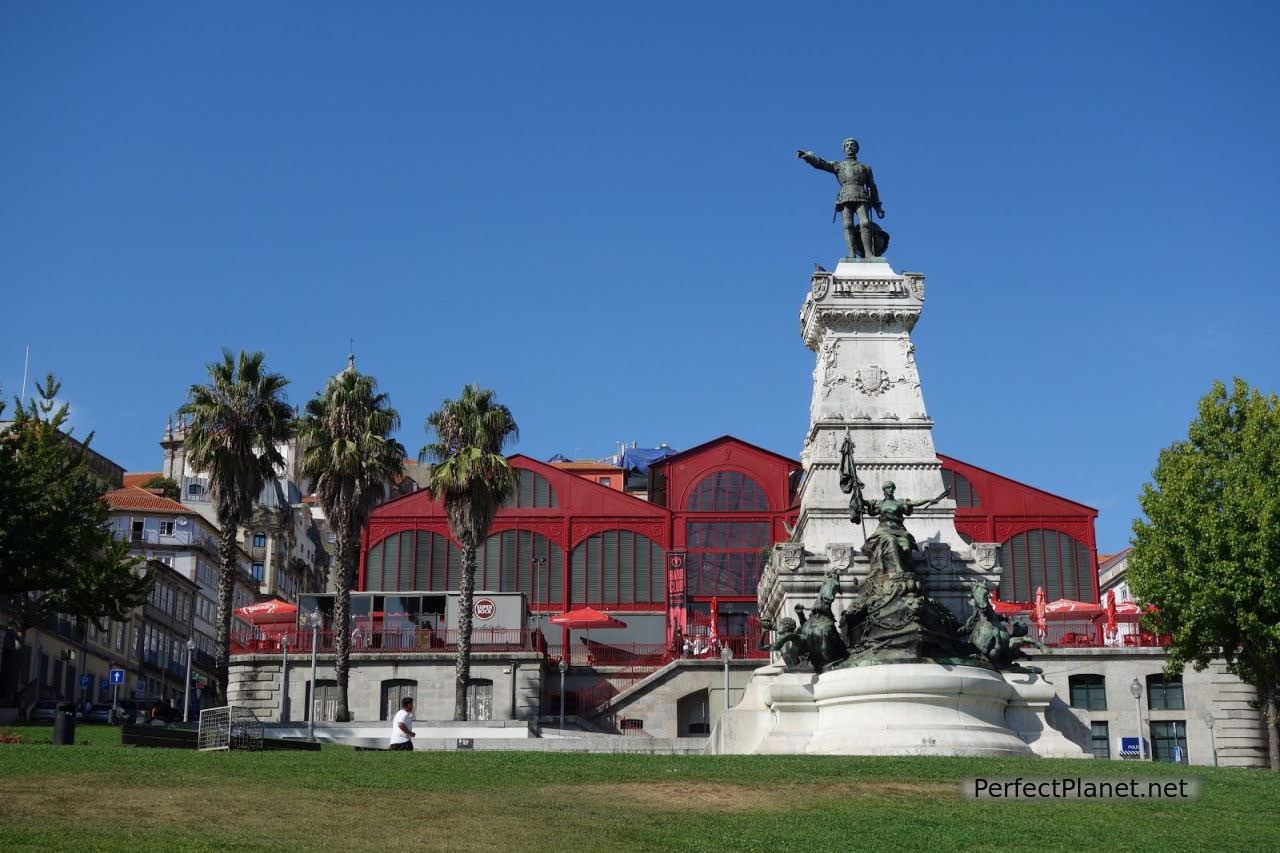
x=858, y=320
x=891, y=709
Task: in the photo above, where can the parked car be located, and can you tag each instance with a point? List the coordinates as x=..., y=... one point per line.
x=98, y=714
x=44, y=711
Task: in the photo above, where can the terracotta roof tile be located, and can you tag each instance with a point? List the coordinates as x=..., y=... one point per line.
x=584, y=466
x=138, y=478
x=133, y=497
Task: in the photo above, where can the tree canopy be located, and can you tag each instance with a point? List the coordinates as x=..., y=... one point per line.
x=166, y=486
x=1207, y=553
x=57, y=553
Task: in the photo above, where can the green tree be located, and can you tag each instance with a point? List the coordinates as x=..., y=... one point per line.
x=57, y=553
x=237, y=421
x=167, y=487
x=350, y=457
x=1208, y=552
x=471, y=477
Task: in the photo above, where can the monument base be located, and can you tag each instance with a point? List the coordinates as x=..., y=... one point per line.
x=890, y=709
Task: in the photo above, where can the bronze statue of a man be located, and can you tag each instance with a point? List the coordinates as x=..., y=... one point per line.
x=858, y=197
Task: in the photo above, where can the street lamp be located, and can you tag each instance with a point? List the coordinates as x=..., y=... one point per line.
x=564, y=667
x=726, y=655
x=314, y=619
x=1135, y=690
x=186, y=691
x=1213, y=743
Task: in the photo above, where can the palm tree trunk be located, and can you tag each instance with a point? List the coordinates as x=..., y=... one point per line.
x=342, y=623
x=1273, y=725
x=465, y=593
x=226, y=587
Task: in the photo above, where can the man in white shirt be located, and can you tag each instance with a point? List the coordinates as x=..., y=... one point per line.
x=402, y=731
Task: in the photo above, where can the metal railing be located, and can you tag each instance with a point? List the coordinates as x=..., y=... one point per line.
x=386, y=642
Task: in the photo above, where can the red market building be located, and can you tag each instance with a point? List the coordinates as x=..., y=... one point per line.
x=567, y=540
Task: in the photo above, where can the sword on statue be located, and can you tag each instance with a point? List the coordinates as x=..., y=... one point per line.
x=849, y=482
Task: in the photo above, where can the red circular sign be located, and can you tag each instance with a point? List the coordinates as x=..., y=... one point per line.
x=485, y=608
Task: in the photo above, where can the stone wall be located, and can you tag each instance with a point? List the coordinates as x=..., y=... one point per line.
x=1238, y=728
x=517, y=683
x=655, y=700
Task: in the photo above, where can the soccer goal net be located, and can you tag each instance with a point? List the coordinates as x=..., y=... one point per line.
x=229, y=728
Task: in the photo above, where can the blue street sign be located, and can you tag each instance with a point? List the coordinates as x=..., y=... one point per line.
x=86, y=680
x=103, y=684
x=117, y=676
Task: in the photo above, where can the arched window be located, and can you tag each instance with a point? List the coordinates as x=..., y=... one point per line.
x=394, y=691
x=618, y=567
x=1049, y=559
x=962, y=490
x=728, y=491
x=414, y=560
x=324, y=707
x=510, y=560
x=480, y=699
x=532, y=492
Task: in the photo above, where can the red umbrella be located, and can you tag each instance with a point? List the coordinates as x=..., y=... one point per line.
x=1005, y=607
x=1112, y=626
x=1132, y=608
x=1069, y=606
x=715, y=617
x=585, y=618
x=1039, y=610
x=269, y=611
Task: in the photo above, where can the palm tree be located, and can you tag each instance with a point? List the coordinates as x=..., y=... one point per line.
x=350, y=458
x=236, y=422
x=472, y=478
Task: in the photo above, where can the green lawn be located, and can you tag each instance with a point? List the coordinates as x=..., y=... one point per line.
x=100, y=795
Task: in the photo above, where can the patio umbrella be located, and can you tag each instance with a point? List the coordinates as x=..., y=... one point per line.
x=1039, y=611
x=1007, y=607
x=1112, y=625
x=715, y=617
x=1070, y=607
x=1132, y=608
x=269, y=611
x=585, y=618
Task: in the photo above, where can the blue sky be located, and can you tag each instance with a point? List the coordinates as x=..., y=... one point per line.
x=595, y=209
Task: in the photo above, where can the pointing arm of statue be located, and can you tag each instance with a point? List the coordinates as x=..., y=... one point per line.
x=815, y=161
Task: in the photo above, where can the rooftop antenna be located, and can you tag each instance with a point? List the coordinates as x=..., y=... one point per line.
x=26, y=360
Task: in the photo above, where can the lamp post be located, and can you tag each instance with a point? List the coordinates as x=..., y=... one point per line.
x=1135, y=690
x=1213, y=743
x=186, y=690
x=726, y=655
x=284, y=678
x=314, y=619
x=564, y=667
